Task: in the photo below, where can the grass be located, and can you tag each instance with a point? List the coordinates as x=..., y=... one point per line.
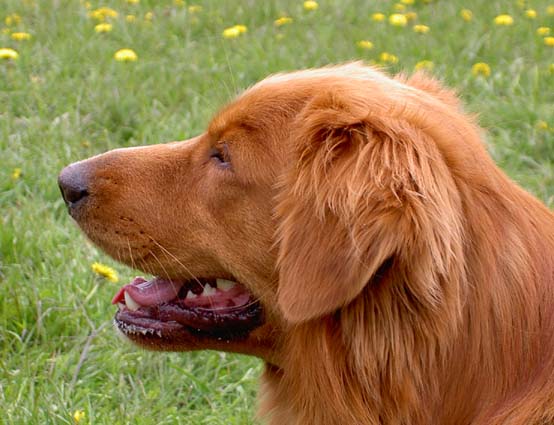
x=66, y=98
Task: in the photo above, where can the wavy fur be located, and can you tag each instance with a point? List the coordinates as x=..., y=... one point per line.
x=418, y=277
x=405, y=279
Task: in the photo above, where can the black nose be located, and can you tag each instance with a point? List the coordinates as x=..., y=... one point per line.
x=73, y=182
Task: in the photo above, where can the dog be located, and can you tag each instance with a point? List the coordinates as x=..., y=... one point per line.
x=350, y=229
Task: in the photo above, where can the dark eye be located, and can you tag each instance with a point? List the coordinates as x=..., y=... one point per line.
x=220, y=154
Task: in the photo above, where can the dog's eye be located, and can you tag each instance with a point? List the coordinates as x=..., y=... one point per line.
x=220, y=154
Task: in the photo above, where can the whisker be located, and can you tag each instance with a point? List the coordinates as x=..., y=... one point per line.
x=166, y=252
x=130, y=253
x=164, y=270
x=173, y=257
x=145, y=266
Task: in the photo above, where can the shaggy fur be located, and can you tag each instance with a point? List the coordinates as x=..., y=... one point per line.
x=405, y=278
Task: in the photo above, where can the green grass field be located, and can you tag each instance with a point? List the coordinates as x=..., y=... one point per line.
x=66, y=98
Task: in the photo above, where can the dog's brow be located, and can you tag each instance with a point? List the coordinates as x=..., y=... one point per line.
x=225, y=129
x=218, y=126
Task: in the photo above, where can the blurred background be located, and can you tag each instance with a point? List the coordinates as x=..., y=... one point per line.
x=78, y=78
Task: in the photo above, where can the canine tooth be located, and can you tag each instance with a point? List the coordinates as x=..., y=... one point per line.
x=190, y=295
x=225, y=284
x=208, y=290
x=131, y=303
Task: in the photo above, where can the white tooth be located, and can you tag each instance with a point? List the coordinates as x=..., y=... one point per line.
x=208, y=290
x=225, y=284
x=190, y=295
x=131, y=303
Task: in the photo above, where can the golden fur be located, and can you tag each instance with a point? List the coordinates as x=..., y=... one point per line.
x=405, y=278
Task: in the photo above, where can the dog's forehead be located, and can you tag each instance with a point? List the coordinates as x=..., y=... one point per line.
x=351, y=71
x=260, y=108
x=271, y=105
x=280, y=96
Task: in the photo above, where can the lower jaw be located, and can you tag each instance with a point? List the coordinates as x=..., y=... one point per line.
x=158, y=336
x=173, y=323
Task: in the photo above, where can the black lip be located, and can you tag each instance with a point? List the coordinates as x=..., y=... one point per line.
x=165, y=319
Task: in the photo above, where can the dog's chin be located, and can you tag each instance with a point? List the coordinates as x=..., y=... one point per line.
x=184, y=315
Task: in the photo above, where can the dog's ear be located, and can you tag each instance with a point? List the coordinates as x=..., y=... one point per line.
x=364, y=191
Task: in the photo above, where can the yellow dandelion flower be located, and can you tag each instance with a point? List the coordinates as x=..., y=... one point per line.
x=78, y=416
x=378, y=17
x=179, y=3
x=543, y=31
x=107, y=12
x=481, y=68
x=87, y=5
x=103, y=13
x=399, y=7
x=105, y=271
x=234, y=31
x=424, y=65
x=410, y=16
x=133, y=1
x=550, y=10
x=398, y=20
x=421, y=29
x=521, y=3
x=407, y=1
x=194, y=8
x=125, y=55
x=310, y=5
x=104, y=27
x=231, y=32
x=466, y=14
x=20, y=36
x=130, y=18
x=241, y=28
x=148, y=16
x=13, y=19
x=386, y=57
x=551, y=68
x=16, y=174
x=283, y=20
x=541, y=125
x=7, y=53
x=85, y=144
x=505, y=20
x=531, y=13
x=549, y=41
x=365, y=44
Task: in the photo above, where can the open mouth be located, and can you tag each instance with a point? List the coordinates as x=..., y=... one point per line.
x=214, y=308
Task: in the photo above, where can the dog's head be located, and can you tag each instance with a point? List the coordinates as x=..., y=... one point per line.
x=309, y=189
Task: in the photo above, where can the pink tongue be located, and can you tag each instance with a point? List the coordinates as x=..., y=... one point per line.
x=151, y=292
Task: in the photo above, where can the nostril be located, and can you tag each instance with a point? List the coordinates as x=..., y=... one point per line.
x=73, y=184
x=73, y=195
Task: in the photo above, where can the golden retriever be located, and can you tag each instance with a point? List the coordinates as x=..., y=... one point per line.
x=351, y=230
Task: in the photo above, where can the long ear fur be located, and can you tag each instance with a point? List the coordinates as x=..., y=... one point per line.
x=365, y=191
